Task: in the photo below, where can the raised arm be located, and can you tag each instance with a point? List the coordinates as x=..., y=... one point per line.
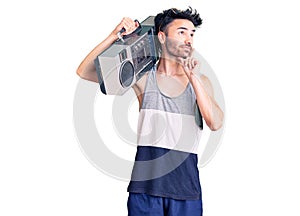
x=209, y=108
x=87, y=69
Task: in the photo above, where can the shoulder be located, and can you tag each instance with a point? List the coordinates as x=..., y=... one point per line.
x=204, y=79
x=207, y=84
x=139, y=88
x=140, y=85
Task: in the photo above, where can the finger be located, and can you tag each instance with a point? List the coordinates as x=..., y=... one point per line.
x=193, y=62
x=180, y=61
x=136, y=23
x=191, y=65
x=192, y=52
x=188, y=63
x=184, y=62
x=128, y=24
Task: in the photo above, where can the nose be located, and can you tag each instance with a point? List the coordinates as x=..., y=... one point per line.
x=188, y=43
x=189, y=40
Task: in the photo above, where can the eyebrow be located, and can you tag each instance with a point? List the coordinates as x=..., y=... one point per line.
x=184, y=28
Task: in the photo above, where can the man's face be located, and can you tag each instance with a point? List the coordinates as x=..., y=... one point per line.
x=179, y=38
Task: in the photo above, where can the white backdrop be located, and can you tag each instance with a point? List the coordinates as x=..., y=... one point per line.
x=253, y=47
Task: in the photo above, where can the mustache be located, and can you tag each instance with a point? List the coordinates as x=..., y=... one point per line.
x=186, y=45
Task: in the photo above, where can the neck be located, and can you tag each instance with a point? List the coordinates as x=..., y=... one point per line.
x=169, y=67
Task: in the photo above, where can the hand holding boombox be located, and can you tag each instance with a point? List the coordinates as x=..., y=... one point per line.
x=127, y=59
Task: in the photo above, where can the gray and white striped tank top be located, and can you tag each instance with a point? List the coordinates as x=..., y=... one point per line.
x=169, y=122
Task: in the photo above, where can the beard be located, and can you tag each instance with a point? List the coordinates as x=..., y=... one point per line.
x=178, y=49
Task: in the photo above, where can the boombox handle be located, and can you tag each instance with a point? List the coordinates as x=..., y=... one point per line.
x=134, y=33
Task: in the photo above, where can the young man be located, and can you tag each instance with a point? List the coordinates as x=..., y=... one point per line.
x=173, y=99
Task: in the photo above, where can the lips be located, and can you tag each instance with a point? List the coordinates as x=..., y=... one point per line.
x=186, y=47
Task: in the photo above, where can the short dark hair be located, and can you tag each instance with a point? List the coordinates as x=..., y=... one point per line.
x=167, y=16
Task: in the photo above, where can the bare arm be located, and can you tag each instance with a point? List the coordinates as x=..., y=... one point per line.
x=210, y=110
x=87, y=69
x=139, y=88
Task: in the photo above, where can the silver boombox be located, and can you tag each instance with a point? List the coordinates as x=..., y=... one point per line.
x=126, y=61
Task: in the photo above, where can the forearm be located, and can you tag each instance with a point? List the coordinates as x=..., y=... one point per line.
x=87, y=69
x=210, y=110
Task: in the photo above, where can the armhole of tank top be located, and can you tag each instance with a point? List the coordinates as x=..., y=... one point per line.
x=146, y=85
x=198, y=116
x=197, y=112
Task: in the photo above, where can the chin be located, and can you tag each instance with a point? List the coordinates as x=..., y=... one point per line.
x=185, y=55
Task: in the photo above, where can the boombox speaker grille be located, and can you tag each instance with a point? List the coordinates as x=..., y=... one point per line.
x=126, y=74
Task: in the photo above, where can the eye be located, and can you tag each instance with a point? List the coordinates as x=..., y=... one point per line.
x=181, y=32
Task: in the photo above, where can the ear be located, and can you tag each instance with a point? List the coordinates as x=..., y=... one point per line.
x=161, y=37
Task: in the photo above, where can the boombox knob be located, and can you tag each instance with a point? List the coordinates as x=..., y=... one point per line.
x=126, y=74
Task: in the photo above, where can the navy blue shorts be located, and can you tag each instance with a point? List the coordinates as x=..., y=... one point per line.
x=146, y=205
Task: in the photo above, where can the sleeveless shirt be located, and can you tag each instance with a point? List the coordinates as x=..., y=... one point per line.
x=169, y=131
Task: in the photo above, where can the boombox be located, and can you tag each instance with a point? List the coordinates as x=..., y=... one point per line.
x=123, y=63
